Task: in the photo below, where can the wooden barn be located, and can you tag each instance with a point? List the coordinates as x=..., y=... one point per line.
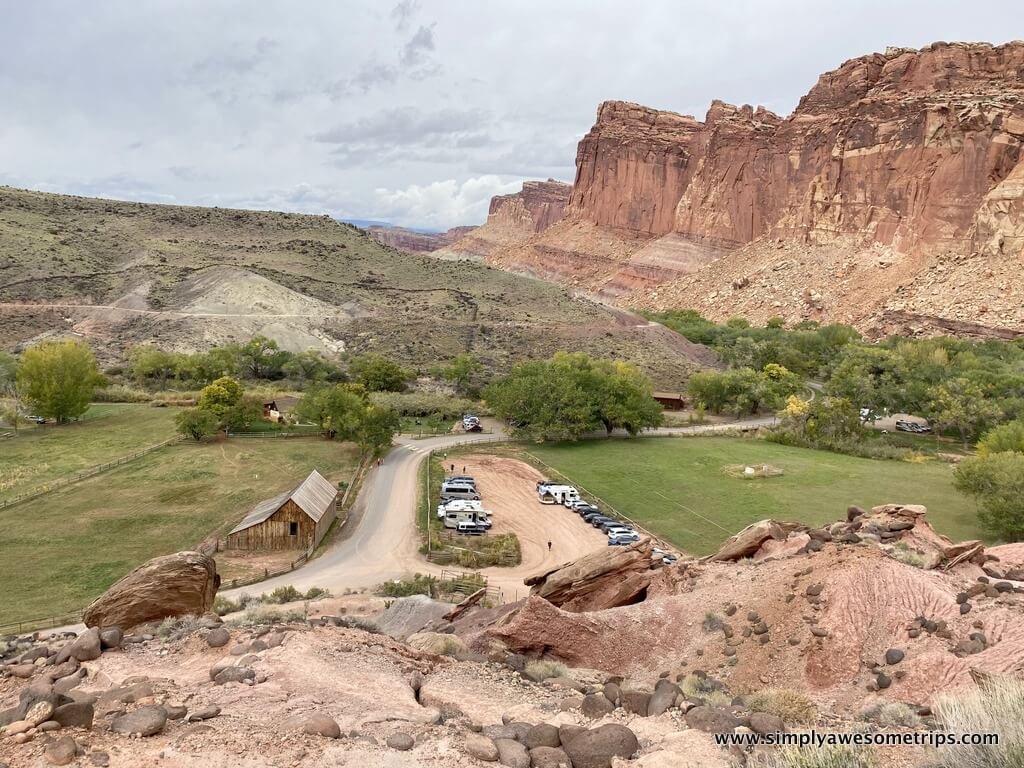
x=671, y=401
x=297, y=519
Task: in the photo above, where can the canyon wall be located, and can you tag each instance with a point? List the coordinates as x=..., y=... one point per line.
x=894, y=189
x=511, y=220
x=412, y=241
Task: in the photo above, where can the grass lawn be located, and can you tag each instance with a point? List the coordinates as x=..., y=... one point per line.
x=107, y=431
x=61, y=550
x=678, y=489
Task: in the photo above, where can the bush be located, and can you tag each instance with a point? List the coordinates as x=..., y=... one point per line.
x=904, y=554
x=424, y=404
x=821, y=757
x=176, y=627
x=539, y=669
x=288, y=594
x=419, y=584
x=996, y=707
x=264, y=614
x=892, y=714
x=713, y=692
x=792, y=706
x=316, y=592
x=712, y=622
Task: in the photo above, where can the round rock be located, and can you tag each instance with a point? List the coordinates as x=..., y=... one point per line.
x=321, y=725
x=597, y=747
x=401, y=741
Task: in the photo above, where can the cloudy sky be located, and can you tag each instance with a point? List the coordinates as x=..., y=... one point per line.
x=414, y=112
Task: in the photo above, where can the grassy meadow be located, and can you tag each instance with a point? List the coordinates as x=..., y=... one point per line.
x=680, y=489
x=59, y=551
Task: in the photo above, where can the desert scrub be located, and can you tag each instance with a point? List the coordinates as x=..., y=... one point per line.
x=177, y=627
x=904, y=554
x=712, y=622
x=540, y=669
x=892, y=714
x=265, y=614
x=997, y=706
x=700, y=687
x=419, y=584
x=821, y=757
x=792, y=706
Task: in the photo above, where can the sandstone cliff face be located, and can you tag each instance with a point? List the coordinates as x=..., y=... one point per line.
x=512, y=219
x=894, y=189
x=411, y=241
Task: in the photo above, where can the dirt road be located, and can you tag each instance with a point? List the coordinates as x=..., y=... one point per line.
x=383, y=540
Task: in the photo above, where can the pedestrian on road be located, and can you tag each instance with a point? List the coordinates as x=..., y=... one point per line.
x=463, y=470
x=453, y=467
x=549, y=546
x=379, y=461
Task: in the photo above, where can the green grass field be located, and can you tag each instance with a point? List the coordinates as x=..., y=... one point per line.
x=678, y=489
x=107, y=431
x=61, y=550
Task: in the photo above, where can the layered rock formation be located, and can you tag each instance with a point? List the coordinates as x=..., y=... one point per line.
x=892, y=197
x=411, y=241
x=513, y=219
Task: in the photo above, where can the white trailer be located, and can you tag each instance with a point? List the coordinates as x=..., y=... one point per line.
x=557, y=494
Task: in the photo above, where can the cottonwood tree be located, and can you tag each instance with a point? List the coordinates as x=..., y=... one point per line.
x=960, y=404
x=337, y=410
x=1005, y=437
x=195, y=423
x=378, y=374
x=58, y=378
x=219, y=396
x=996, y=482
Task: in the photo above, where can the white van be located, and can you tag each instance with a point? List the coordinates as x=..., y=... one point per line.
x=452, y=491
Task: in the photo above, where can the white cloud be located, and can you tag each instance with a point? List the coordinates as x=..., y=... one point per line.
x=196, y=102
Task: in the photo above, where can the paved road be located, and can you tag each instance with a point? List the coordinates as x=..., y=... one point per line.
x=381, y=540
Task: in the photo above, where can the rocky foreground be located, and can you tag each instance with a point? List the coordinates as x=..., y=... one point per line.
x=614, y=661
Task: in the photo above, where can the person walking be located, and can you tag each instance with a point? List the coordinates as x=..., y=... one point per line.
x=549, y=546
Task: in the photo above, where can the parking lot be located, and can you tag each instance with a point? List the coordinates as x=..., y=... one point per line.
x=508, y=490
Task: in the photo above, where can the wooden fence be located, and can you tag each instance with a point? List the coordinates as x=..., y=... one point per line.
x=85, y=474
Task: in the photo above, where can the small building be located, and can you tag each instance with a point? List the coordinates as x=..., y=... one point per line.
x=296, y=519
x=271, y=412
x=671, y=401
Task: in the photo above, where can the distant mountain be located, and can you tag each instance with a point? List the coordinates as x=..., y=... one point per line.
x=372, y=223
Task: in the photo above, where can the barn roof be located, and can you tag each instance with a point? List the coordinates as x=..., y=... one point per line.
x=313, y=496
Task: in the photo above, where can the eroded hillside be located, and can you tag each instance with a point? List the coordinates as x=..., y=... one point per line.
x=121, y=274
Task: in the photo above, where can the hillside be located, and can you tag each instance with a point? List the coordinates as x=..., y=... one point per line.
x=120, y=274
x=414, y=241
x=891, y=198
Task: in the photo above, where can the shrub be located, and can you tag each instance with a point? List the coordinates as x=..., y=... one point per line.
x=222, y=606
x=118, y=393
x=288, y=594
x=821, y=757
x=712, y=622
x=316, y=592
x=904, y=554
x=176, y=627
x=264, y=614
x=792, y=706
x=698, y=686
x=996, y=707
x=892, y=714
x=540, y=669
x=419, y=584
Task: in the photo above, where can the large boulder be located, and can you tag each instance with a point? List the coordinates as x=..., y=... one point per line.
x=596, y=748
x=174, y=585
x=601, y=579
x=748, y=541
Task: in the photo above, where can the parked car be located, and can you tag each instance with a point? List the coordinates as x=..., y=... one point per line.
x=622, y=541
x=577, y=505
x=590, y=516
x=601, y=520
x=902, y=425
x=587, y=509
x=616, y=528
x=460, y=479
x=36, y=419
x=468, y=528
x=450, y=492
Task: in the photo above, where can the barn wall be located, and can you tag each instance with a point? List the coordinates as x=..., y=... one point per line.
x=325, y=521
x=273, y=532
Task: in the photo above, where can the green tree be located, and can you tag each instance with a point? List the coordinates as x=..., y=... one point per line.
x=996, y=482
x=337, y=410
x=195, y=423
x=150, y=363
x=1005, y=437
x=58, y=378
x=261, y=358
x=960, y=404
x=310, y=367
x=247, y=411
x=626, y=398
x=377, y=429
x=206, y=367
x=219, y=396
x=463, y=372
x=378, y=374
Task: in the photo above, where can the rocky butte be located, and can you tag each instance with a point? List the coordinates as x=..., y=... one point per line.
x=891, y=198
x=413, y=241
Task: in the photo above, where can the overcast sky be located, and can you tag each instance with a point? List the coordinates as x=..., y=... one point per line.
x=414, y=112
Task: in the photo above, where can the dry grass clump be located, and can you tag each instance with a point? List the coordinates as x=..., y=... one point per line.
x=700, y=687
x=792, y=706
x=540, y=669
x=821, y=757
x=892, y=714
x=997, y=706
